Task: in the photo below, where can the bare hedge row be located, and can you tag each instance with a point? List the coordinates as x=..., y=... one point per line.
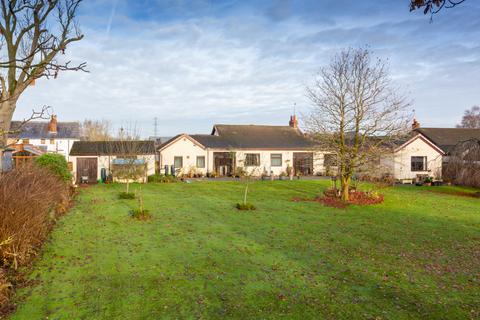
x=31, y=199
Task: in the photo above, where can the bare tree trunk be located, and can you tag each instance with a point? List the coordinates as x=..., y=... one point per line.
x=6, y=112
x=345, y=187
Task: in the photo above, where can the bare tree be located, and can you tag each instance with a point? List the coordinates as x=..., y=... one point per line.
x=471, y=118
x=356, y=111
x=32, y=33
x=433, y=6
x=43, y=113
x=464, y=164
x=131, y=163
x=96, y=130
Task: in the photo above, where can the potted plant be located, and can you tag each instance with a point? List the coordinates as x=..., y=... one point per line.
x=428, y=181
x=283, y=175
x=265, y=175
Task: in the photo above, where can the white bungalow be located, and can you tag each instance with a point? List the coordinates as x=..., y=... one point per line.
x=427, y=151
x=258, y=149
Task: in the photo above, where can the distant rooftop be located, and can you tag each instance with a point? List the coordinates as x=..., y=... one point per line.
x=39, y=130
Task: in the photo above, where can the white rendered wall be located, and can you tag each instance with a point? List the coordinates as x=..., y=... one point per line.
x=402, y=160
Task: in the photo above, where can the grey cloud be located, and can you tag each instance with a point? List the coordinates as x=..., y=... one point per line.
x=192, y=73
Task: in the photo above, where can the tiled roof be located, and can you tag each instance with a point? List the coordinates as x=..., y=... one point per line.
x=39, y=130
x=447, y=138
x=254, y=137
x=97, y=148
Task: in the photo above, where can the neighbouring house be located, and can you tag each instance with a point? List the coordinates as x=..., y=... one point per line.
x=24, y=153
x=91, y=158
x=258, y=149
x=159, y=141
x=46, y=136
x=427, y=151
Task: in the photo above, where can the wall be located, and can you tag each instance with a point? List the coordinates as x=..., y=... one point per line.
x=402, y=160
x=104, y=162
x=188, y=150
x=287, y=160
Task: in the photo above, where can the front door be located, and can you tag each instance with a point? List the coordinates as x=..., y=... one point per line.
x=223, y=163
x=303, y=163
x=87, y=170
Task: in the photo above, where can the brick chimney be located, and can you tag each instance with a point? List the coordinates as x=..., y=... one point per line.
x=52, y=125
x=293, y=121
x=415, y=124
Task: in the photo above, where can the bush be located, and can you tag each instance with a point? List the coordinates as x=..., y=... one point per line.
x=56, y=164
x=31, y=199
x=161, y=178
x=245, y=206
x=5, y=292
x=126, y=195
x=140, y=214
x=373, y=194
x=428, y=180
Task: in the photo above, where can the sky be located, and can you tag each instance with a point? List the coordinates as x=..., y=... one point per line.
x=192, y=64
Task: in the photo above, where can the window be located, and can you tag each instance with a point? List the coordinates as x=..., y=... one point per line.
x=25, y=141
x=200, y=162
x=252, y=159
x=52, y=141
x=42, y=141
x=419, y=164
x=276, y=159
x=178, y=162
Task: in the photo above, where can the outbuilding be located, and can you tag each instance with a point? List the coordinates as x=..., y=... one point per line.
x=90, y=158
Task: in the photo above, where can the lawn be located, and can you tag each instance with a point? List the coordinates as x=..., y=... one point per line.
x=417, y=255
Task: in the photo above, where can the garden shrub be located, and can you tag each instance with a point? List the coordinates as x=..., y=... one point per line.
x=126, y=195
x=161, y=178
x=245, y=206
x=56, y=163
x=140, y=214
x=31, y=199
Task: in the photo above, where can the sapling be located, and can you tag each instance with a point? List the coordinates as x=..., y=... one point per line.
x=247, y=177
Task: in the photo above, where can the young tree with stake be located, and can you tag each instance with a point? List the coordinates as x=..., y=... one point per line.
x=131, y=163
x=356, y=111
x=247, y=175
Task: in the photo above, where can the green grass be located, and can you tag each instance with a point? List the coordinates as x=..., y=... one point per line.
x=414, y=256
